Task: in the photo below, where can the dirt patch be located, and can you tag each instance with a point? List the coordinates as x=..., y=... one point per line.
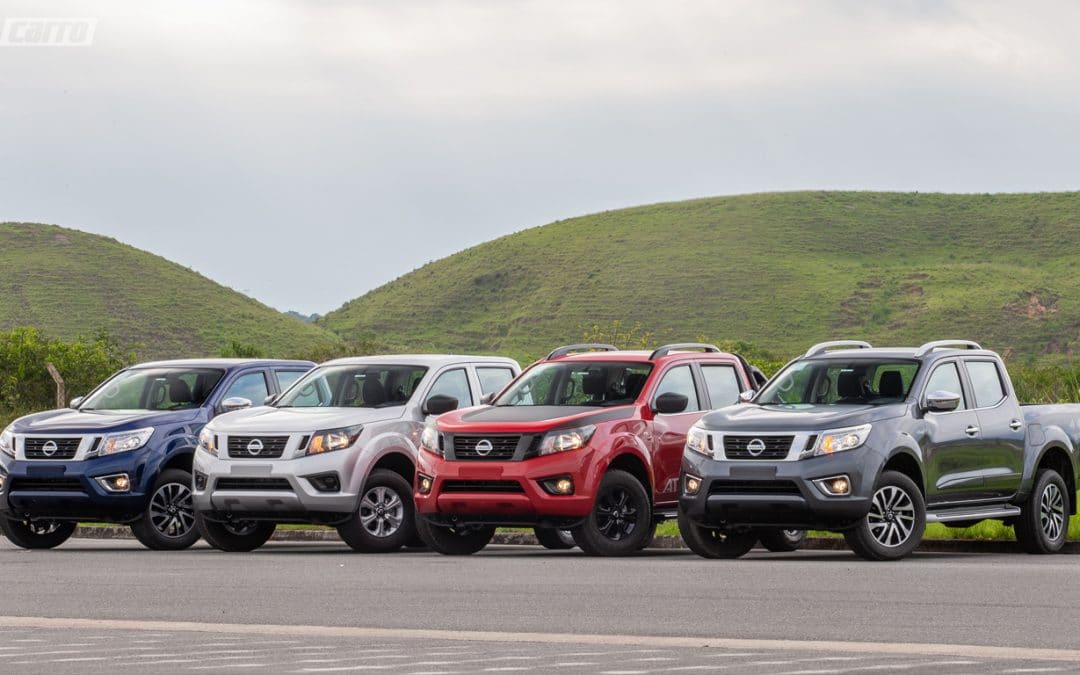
x=61, y=239
x=1037, y=304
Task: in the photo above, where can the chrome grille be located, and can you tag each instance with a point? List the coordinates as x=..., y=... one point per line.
x=757, y=447
x=502, y=447
x=51, y=448
x=272, y=446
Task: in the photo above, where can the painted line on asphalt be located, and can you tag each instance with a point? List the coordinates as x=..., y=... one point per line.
x=323, y=632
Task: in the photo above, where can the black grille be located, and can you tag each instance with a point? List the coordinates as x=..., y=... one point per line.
x=269, y=484
x=65, y=448
x=776, y=447
x=272, y=446
x=502, y=447
x=47, y=485
x=753, y=487
x=504, y=486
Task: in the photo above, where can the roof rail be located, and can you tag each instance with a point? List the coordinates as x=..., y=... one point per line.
x=941, y=344
x=679, y=346
x=822, y=347
x=586, y=347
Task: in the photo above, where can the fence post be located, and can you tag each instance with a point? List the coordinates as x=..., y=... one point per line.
x=61, y=394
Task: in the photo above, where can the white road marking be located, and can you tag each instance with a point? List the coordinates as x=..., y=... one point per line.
x=323, y=632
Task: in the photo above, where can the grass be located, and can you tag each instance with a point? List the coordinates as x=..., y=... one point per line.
x=69, y=283
x=780, y=271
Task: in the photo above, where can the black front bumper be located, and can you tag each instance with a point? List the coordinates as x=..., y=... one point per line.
x=778, y=494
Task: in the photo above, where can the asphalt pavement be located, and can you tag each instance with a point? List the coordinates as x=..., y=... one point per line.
x=320, y=606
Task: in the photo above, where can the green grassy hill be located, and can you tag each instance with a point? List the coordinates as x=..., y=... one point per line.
x=69, y=283
x=778, y=270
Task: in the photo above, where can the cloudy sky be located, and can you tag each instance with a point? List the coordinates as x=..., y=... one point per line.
x=306, y=152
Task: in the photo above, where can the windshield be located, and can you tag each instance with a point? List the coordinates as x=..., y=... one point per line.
x=155, y=389
x=841, y=382
x=578, y=383
x=354, y=387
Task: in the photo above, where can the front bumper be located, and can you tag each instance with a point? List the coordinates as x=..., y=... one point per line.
x=778, y=494
x=278, y=490
x=521, y=499
x=69, y=490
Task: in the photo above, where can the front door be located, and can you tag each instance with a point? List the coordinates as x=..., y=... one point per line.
x=669, y=431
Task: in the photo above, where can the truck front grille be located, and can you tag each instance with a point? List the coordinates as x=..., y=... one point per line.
x=500, y=486
x=51, y=448
x=257, y=447
x=257, y=484
x=757, y=447
x=476, y=447
x=753, y=487
x=46, y=485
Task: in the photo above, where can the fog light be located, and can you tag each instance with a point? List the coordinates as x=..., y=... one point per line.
x=835, y=485
x=564, y=486
x=423, y=485
x=325, y=482
x=692, y=485
x=200, y=480
x=559, y=485
x=117, y=482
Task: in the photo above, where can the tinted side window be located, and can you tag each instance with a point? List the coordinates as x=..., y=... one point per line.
x=679, y=380
x=722, y=384
x=285, y=378
x=493, y=379
x=251, y=386
x=947, y=378
x=453, y=383
x=985, y=383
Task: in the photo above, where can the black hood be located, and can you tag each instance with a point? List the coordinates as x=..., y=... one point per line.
x=759, y=418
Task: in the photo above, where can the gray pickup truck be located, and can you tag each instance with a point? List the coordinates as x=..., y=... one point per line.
x=875, y=443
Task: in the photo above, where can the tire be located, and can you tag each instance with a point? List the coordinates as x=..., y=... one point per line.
x=781, y=541
x=895, y=523
x=239, y=537
x=464, y=540
x=713, y=542
x=1043, y=524
x=417, y=542
x=385, y=518
x=168, y=521
x=37, y=533
x=554, y=539
x=650, y=537
x=621, y=518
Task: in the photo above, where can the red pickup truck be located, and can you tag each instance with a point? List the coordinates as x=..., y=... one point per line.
x=589, y=440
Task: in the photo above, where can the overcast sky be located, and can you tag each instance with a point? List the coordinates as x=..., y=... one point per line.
x=305, y=153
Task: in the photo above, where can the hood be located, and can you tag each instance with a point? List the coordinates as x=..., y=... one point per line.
x=68, y=421
x=265, y=419
x=761, y=418
x=529, y=418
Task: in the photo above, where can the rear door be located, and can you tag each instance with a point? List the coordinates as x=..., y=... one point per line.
x=1000, y=426
x=952, y=446
x=669, y=431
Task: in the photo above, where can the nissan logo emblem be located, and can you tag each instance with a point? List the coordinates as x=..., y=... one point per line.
x=254, y=447
x=483, y=447
x=49, y=449
x=755, y=447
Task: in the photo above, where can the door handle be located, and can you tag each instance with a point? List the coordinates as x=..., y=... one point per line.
x=1015, y=425
x=971, y=431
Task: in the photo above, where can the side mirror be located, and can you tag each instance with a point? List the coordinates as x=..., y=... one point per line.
x=235, y=403
x=747, y=396
x=486, y=399
x=942, y=401
x=439, y=404
x=75, y=402
x=269, y=400
x=670, y=403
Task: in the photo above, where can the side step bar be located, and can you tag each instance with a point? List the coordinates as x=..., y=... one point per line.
x=973, y=513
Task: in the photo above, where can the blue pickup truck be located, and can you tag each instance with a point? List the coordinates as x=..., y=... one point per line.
x=123, y=453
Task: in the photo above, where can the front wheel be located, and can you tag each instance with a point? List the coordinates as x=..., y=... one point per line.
x=385, y=517
x=781, y=541
x=895, y=523
x=712, y=542
x=235, y=536
x=553, y=539
x=457, y=540
x=36, y=533
x=621, y=519
x=1044, y=521
x=168, y=521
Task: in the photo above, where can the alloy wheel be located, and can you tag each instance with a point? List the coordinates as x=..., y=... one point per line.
x=381, y=511
x=1052, y=512
x=42, y=527
x=171, y=511
x=616, y=515
x=892, y=516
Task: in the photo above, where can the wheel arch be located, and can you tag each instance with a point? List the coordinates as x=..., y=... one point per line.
x=903, y=460
x=1056, y=457
x=634, y=465
x=398, y=462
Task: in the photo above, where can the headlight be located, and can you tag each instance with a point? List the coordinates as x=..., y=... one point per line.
x=838, y=440
x=333, y=439
x=125, y=441
x=429, y=440
x=697, y=439
x=208, y=442
x=566, y=439
x=7, y=442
